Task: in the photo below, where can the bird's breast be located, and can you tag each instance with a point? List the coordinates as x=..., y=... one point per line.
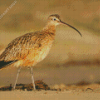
x=44, y=52
x=44, y=48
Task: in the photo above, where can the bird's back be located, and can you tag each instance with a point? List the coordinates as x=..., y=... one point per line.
x=29, y=48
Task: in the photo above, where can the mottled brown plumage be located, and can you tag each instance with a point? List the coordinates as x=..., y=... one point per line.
x=28, y=48
x=31, y=48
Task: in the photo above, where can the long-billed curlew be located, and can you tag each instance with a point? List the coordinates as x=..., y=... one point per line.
x=31, y=48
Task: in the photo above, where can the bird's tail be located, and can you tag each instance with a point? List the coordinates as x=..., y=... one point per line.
x=4, y=64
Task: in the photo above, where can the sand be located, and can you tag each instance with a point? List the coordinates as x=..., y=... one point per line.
x=49, y=95
x=73, y=92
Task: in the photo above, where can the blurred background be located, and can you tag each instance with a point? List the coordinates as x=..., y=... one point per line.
x=72, y=58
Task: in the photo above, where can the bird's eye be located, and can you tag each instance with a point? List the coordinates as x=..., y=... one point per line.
x=54, y=19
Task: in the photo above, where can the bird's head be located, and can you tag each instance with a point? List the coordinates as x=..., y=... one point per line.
x=55, y=20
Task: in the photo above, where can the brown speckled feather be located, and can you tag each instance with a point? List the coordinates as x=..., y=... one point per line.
x=27, y=47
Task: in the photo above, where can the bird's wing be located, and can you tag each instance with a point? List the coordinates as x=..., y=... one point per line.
x=20, y=47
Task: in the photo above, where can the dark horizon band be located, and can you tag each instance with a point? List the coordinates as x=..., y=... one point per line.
x=72, y=27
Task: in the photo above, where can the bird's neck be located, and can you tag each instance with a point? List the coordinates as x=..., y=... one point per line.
x=49, y=28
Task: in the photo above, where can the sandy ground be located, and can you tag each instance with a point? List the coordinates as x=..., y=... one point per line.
x=55, y=78
x=49, y=95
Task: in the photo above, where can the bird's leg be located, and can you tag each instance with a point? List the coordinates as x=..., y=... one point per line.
x=32, y=78
x=17, y=77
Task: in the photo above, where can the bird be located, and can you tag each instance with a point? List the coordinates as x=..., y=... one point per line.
x=31, y=48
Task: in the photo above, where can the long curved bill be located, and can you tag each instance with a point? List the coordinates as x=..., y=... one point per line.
x=71, y=27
